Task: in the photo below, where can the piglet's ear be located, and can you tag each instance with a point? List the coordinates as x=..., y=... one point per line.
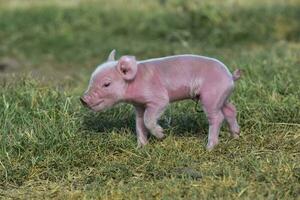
x=127, y=67
x=112, y=55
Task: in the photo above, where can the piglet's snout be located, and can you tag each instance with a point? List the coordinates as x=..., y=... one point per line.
x=84, y=101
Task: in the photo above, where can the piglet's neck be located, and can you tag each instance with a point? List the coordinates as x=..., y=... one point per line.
x=134, y=89
x=131, y=91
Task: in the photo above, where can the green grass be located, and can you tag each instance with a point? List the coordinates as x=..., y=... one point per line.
x=51, y=147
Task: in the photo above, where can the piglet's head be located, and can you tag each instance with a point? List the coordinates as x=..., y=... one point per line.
x=109, y=82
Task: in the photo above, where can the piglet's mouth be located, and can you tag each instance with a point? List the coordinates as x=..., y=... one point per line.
x=97, y=104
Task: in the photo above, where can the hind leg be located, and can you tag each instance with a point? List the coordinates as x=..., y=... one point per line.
x=229, y=112
x=212, y=105
x=213, y=101
x=215, y=119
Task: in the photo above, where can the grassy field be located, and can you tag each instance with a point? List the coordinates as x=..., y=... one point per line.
x=51, y=147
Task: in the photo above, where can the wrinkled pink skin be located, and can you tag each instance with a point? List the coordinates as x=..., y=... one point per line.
x=150, y=85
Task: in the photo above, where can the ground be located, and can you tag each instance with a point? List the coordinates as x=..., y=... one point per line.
x=52, y=147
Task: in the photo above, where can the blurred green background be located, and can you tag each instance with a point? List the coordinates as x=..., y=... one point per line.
x=51, y=147
x=73, y=35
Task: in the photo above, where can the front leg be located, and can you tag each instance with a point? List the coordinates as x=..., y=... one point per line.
x=152, y=114
x=141, y=130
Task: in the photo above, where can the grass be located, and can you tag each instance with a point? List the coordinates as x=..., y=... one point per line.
x=51, y=147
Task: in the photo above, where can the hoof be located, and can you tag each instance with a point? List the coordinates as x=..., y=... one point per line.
x=235, y=135
x=210, y=146
x=161, y=137
x=141, y=145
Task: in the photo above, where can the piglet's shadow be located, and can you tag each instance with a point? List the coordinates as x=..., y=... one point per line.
x=116, y=118
x=181, y=119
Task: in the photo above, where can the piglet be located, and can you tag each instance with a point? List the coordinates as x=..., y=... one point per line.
x=150, y=85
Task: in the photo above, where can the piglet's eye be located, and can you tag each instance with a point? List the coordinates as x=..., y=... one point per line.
x=106, y=84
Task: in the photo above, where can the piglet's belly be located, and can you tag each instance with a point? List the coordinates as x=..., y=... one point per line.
x=178, y=94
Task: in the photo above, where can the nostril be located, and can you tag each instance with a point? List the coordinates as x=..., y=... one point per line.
x=83, y=102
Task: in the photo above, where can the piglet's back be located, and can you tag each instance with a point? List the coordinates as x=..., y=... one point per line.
x=180, y=66
x=181, y=74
